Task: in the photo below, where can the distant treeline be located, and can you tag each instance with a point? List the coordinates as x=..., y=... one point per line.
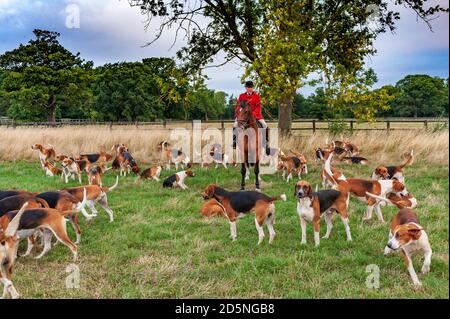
x=43, y=81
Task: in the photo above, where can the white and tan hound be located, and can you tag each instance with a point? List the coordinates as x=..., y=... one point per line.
x=408, y=237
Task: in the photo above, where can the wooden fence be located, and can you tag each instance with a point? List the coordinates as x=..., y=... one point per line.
x=312, y=125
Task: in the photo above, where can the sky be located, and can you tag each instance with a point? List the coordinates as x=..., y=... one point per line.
x=111, y=31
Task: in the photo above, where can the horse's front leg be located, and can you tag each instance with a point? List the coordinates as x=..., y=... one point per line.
x=243, y=173
x=257, y=176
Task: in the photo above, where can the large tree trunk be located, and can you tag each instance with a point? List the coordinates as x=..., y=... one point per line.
x=285, y=114
x=51, y=109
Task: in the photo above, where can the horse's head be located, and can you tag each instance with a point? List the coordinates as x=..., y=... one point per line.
x=244, y=115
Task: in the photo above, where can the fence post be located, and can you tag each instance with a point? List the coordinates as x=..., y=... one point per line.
x=351, y=126
x=164, y=124
x=110, y=126
x=314, y=126
x=425, y=124
x=388, y=126
x=222, y=125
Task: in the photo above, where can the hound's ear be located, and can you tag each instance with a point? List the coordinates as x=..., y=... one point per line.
x=209, y=191
x=415, y=232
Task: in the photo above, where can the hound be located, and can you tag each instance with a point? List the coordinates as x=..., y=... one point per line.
x=151, y=173
x=95, y=175
x=63, y=202
x=100, y=157
x=238, y=204
x=48, y=220
x=311, y=205
x=84, y=165
x=8, y=253
x=302, y=159
x=351, y=148
x=173, y=155
x=218, y=157
x=322, y=154
x=391, y=172
x=51, y=170
x=15, y=202
x=95, y=194
x=177, y=180
x=115, y=148
x=289, y=165
x=128, y=164
x=178, y=157
x=408, y=237
x=45, y=154
x=212, y=208
x=71, y=169
x=118, y=160
x=359, y=188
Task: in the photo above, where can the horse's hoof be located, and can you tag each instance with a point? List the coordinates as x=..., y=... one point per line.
x=242, y=189
x=258, y=190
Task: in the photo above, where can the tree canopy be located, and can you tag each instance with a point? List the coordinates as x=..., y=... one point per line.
x=42, y=74
x=282, y=42
x=42, y=81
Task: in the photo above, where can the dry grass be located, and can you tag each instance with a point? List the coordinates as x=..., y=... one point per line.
x=432, y=148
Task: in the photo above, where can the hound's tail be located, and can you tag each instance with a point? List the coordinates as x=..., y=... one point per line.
x=279, y=197
x=108, y=189
x=387, y=200
x=327, y=168
x=13, y=225
x=410, y=159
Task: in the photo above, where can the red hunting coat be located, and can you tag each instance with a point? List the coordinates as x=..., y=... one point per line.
x=255, y=104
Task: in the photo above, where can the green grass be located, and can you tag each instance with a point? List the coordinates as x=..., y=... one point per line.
x=160, y=247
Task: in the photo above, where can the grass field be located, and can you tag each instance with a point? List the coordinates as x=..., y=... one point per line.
x=160, y=247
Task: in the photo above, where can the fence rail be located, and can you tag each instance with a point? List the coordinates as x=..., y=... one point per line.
x=313, y=125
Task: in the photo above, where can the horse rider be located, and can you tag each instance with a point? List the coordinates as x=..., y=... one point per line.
x=254, y=101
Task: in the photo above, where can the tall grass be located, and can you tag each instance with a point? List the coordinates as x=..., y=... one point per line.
x=378, y=146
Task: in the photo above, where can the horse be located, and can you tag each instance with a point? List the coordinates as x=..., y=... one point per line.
x=247, y=123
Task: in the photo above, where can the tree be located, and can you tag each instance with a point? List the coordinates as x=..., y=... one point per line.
x=207, y=104
x=229, y=108
x=421, y=95
x=353, y=94
x=139, y=91
x=4, y=105
x=306, y=36
x=314, y=106
x=42, y=74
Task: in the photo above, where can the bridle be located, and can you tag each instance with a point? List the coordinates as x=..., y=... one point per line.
x=244, y=124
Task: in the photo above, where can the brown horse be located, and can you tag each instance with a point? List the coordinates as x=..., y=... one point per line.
x=248, y=145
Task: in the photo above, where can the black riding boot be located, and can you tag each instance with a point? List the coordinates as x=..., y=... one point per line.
x=234, y=138
x=267, y=142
